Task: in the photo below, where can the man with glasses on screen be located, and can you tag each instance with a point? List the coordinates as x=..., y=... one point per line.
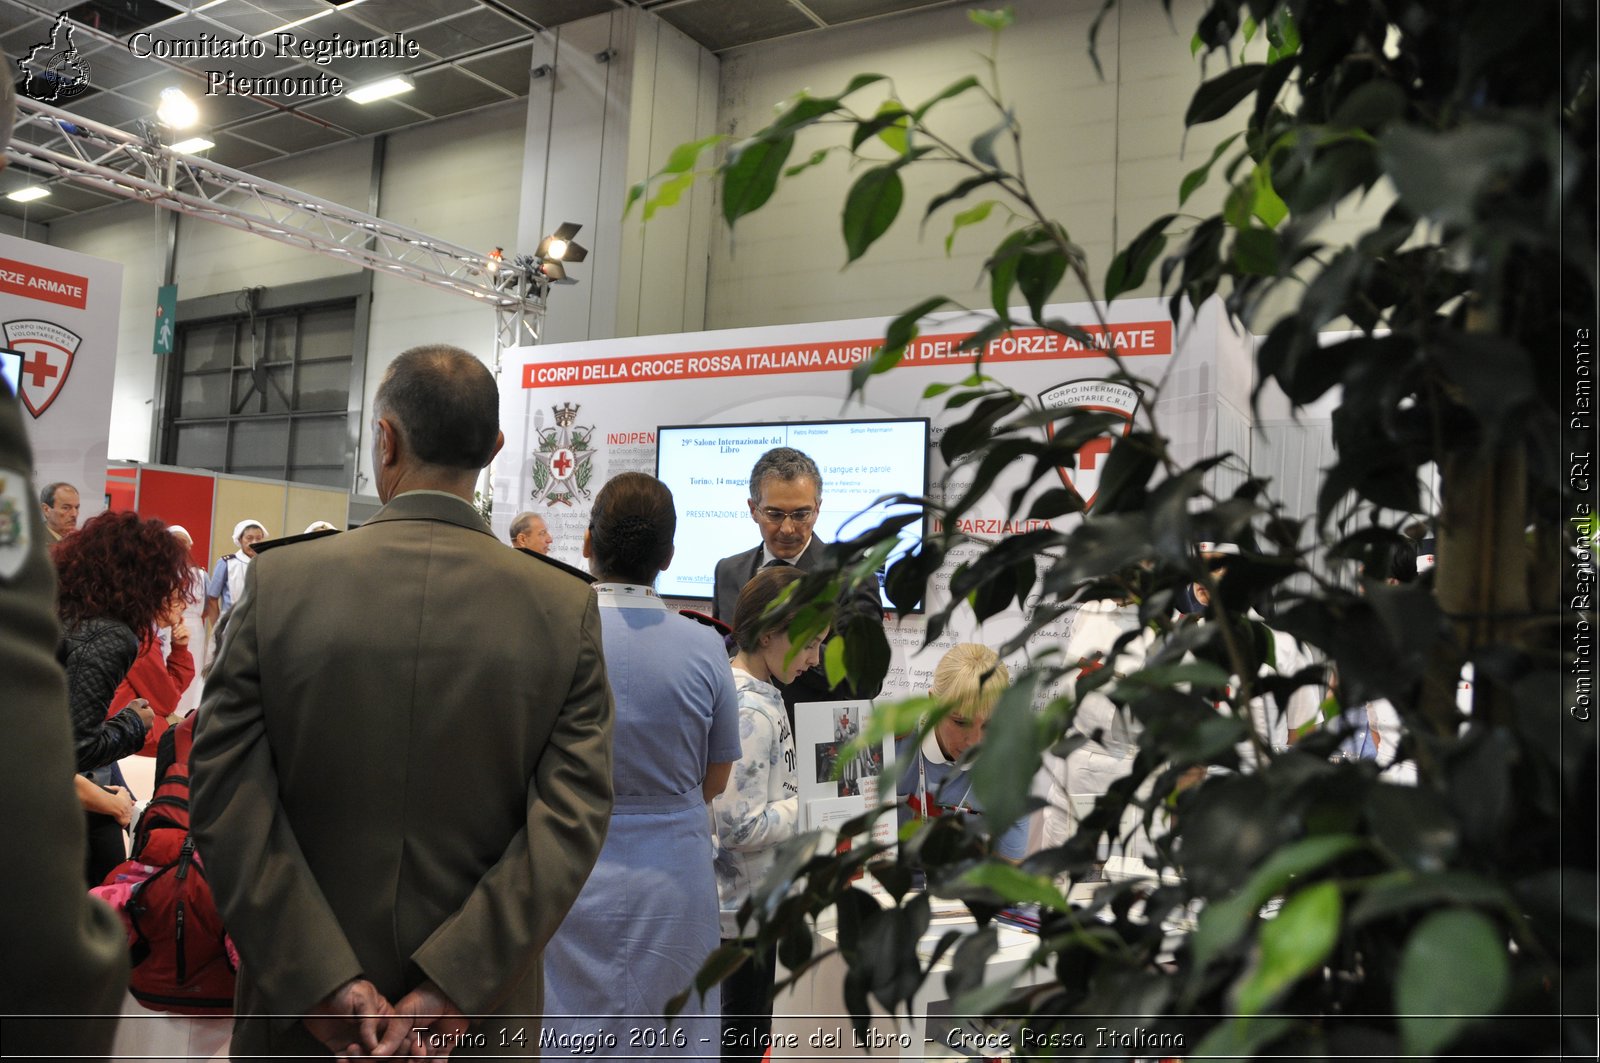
x=785, y=498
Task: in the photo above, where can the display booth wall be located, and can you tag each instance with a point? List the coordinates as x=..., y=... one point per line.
x=615, y=393
x=209, y=504
x=59, y=310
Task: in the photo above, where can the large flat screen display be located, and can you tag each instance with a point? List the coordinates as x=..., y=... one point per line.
x=708, y=469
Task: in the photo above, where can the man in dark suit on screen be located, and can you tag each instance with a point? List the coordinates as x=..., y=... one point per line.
x=402, y=769
x=785, y=498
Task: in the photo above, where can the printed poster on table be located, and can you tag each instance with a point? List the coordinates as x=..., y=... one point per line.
x=837, y=783
x=59, y=310
x=576, y=414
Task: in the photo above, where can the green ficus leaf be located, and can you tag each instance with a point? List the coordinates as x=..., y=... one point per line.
x=1283, y=32
x=1295, y=943
x=833, y=661
x=1223, y=93
x=1016, y=885
x=983, y=143
x=960, y=191
x=1129, y=269
x=995, y=19
x=635, y=192
x=950, y=91
x=897, y=133
x=721, y=963
x=903, y=329
x=971, y=216
x=751, y=176
x=802, y=112
x=684, y=156
x=1266, y=204
x=870, y=208
x=1442, y=175
x=1223, y=922
x=882, y=360
x=891, y=115
x=1002, y=267
x=1013, y=744
x=1039, y=273
x=861, y=81
x=817, y=157
x=1279, y=67
x=1239, y=207
x=1433, y=1008
x=1197, y=177
x=1371, y=106
x=1256, y=251
x=668, y=194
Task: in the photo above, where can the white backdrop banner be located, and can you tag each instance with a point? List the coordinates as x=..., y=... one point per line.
x=595, y=406
x=59, y=310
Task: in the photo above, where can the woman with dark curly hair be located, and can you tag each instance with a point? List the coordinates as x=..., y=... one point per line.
x=118, y=575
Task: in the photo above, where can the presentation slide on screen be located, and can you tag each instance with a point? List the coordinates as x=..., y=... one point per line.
x=708, y=469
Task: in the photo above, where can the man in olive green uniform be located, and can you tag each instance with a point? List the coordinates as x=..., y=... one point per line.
x=66, y=956
x=402, y=769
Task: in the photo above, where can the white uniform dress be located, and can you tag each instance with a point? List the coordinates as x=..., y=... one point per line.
x=647, y=916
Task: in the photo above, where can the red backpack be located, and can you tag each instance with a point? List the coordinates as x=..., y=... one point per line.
x=179, y=949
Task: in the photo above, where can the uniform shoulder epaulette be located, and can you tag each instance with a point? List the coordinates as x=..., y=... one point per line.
x=273, y=544
x=719, y=626
x=553, y=562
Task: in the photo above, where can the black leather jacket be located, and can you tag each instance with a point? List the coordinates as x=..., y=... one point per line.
x=97, y=655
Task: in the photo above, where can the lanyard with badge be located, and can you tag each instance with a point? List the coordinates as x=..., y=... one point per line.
x=931, y=752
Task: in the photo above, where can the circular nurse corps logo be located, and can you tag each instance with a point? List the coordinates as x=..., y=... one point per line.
x=14, y=497
x=54, y=70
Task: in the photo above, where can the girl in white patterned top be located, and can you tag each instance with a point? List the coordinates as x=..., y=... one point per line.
x=761, y=807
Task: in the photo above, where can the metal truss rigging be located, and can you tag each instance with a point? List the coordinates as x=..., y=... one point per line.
x=57, y=143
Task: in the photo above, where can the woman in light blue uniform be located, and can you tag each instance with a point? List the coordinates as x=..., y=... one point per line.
x=647, y=917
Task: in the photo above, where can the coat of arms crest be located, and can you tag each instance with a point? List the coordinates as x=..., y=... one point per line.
x=563, y=464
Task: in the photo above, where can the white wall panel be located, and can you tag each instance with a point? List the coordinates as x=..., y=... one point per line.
x=134, y=235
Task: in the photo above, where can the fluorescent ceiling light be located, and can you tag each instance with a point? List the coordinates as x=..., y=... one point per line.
x=310, y=18
x=381, y=90
x=29, y=194
x=193, y=145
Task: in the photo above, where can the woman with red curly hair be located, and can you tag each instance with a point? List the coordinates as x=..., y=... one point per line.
x=118, y=575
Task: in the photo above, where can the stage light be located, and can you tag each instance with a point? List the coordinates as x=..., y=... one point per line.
x=29, y=194
x=558, y=246
x=177, y=110
x=381, y=90
x=193, y=145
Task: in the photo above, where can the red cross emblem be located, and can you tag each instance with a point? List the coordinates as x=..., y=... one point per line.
x=1097, y=396
x=47, y=352
x=562, y=462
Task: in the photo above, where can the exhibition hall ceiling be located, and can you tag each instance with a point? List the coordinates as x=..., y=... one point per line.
x=461, y=55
